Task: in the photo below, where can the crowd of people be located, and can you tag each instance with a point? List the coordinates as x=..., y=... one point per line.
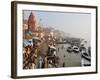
x=33, y=56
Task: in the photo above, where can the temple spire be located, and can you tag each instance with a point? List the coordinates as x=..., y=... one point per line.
x=31, y=22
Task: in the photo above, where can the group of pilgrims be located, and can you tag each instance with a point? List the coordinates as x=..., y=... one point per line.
x=33, y=58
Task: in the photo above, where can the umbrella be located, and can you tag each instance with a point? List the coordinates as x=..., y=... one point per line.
x=35, y=38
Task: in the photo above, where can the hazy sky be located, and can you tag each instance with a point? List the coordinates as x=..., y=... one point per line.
x=76, y=24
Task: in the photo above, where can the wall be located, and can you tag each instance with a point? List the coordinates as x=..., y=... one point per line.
x=5, y=40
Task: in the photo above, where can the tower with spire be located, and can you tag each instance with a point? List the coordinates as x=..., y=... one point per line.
x=31, y=22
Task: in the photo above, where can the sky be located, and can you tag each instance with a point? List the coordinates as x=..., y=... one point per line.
x=76, y=24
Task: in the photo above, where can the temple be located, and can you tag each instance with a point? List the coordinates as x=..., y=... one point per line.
x=31, y=22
